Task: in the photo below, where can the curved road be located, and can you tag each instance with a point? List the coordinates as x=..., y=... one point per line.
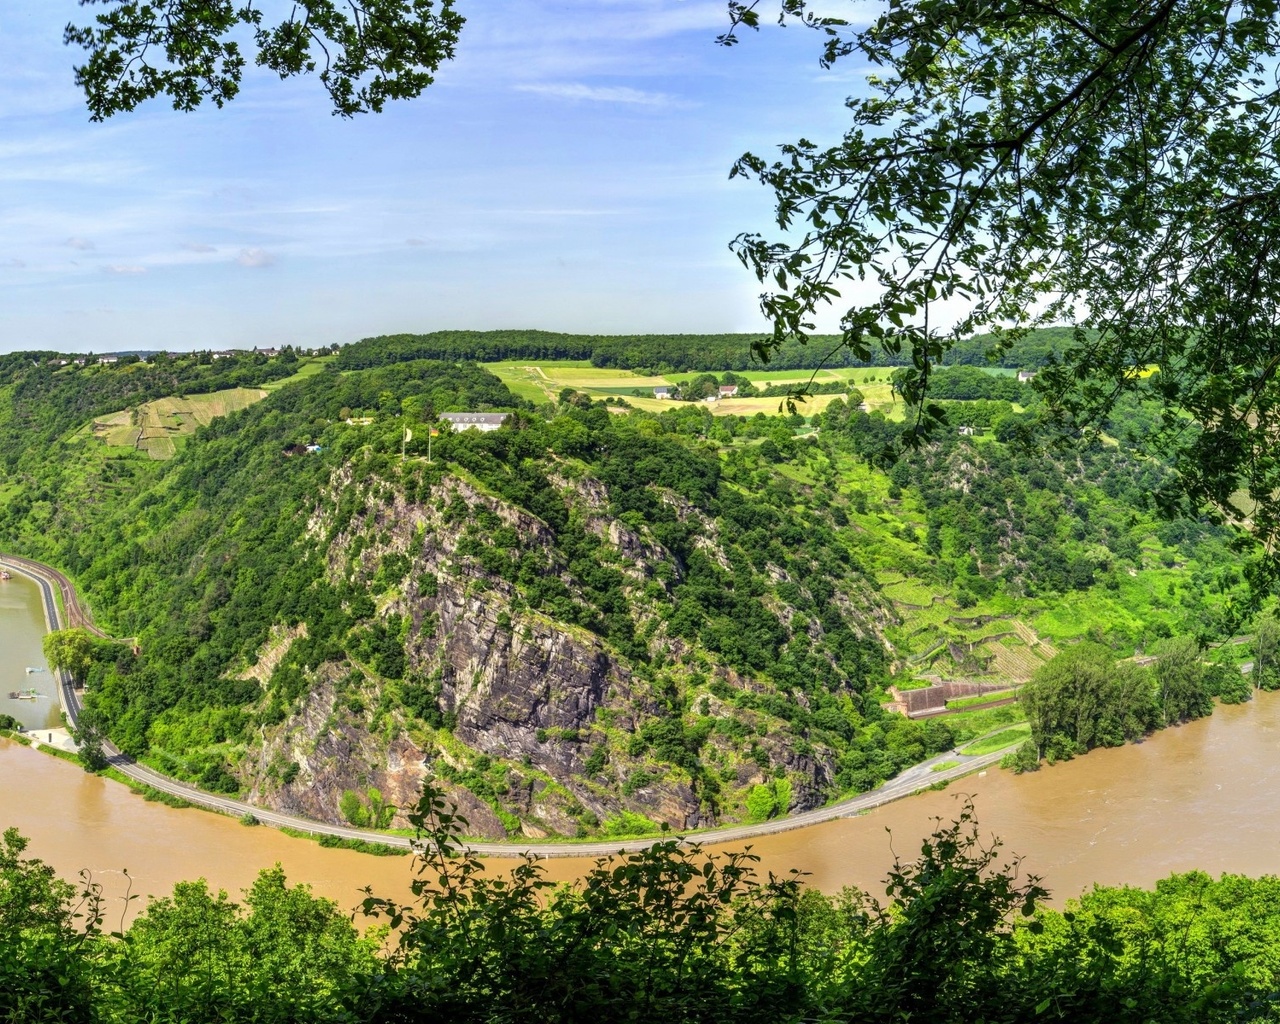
x=913, y=780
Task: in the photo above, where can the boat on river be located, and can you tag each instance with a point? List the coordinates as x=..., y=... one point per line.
x=24, y=694
x=5, y=575
x=31, y=670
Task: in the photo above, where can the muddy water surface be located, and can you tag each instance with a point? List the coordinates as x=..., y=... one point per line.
x=21, y=634
x=1200, y=796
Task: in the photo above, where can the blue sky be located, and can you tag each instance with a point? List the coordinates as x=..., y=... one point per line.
x=569, y=171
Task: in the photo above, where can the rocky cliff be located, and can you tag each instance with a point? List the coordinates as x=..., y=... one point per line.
x=535, y=724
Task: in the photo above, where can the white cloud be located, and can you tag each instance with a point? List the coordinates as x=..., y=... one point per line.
x=602, y=94
x=255, y=258
x=83, y=244
x=198, y=247
x=129, y=269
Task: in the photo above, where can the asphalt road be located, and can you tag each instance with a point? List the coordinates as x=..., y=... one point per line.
x=913, y=780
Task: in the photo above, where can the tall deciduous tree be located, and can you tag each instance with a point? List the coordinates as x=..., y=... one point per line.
x=1111, y=165
x=1084, y=698
x=70, y=649
x=1179, y=672
x=364, y=52
x=1266, y=651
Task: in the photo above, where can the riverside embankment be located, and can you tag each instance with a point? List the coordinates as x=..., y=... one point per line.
x=920, y=777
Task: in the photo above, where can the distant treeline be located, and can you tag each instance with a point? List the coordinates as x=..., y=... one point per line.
x=667, y=353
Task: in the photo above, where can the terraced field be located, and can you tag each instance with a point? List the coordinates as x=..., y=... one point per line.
x=158, y=427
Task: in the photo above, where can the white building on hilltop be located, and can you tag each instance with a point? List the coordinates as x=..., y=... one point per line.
x=474, y=420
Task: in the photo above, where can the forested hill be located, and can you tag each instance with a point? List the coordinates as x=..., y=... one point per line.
x=593, y=620
x=665, y=353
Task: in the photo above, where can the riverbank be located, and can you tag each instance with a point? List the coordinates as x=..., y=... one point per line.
x=1191, y=797
x=926, y=775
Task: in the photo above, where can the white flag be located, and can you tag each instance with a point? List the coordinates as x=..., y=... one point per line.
x=408, y=435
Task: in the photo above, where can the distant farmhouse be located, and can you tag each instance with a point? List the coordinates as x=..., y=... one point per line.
x=485, y=421
x=967, y=431
x=661, y=392
x=728, y=390
x=1026, y=375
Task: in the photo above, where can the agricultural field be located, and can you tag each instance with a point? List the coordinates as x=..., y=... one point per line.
x=543, y=382
x=308, y=366
x=158, y=427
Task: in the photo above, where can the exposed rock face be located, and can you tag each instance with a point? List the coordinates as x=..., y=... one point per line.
x=505, y=686
x=540, y=716
x=518, y=685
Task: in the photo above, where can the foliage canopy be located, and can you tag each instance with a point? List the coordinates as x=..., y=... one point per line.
x=365, y=52
x=1083, y=161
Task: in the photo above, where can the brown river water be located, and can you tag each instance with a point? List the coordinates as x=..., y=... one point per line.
x=1198, y=796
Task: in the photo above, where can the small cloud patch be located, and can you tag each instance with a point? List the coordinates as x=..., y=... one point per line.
x=83, y=244
x=255, y=258
x=128, y=269
x=603, y=94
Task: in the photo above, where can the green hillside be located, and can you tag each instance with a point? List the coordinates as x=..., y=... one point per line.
x=594, y=620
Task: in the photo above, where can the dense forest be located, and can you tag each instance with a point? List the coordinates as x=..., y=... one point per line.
x=665, y=353
x=593, y=620
x=669, y=934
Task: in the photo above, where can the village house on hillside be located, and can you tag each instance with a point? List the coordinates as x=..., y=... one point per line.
x=728, y=390
x=474, y=420
x=1026, y=375
x=661, y=392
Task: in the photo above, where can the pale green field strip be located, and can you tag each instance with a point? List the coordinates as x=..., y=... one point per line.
x=980, y=698
x=1004, y=738
x=308, y=366
x=543, y=381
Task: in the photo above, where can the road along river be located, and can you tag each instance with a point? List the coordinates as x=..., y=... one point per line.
x=1198, y=796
